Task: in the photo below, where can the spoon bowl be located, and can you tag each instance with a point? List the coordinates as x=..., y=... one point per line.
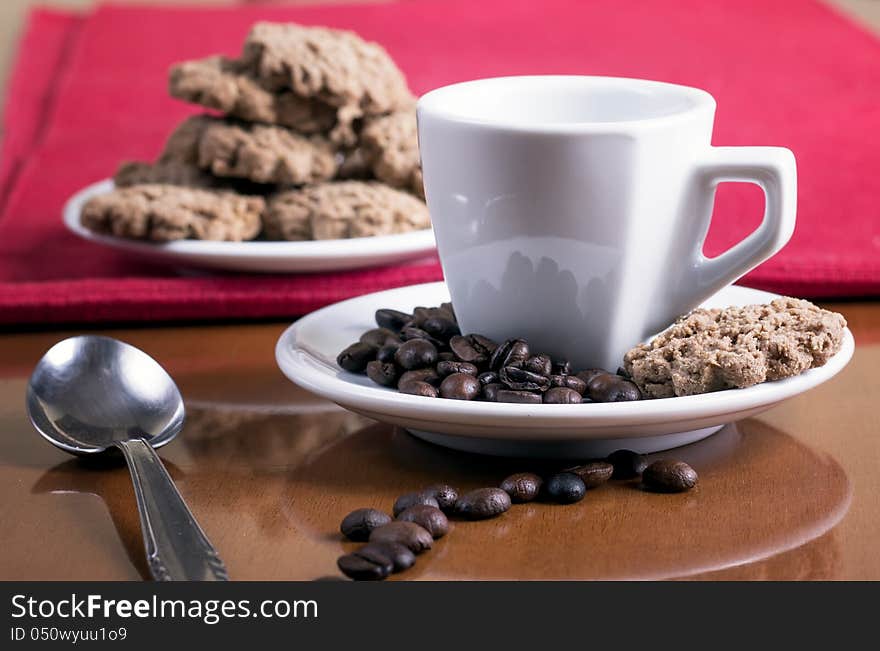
x=87, y=393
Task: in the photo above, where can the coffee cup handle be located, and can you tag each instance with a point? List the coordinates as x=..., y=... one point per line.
x=773, y=169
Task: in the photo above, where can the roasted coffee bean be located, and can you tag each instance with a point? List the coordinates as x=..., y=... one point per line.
x=363, y=569
x=489, y=377
x=669, y=476
x=409, y=534
x=383, y=373
x=561, y=367
x=593, y=473
x=422, y=314
x=428, y=375
x=569, y=382
x=401, y=557
x=565, y=488
x=612, y=388
x=520, y=379
x=392, y=319
x=376, y=553
x=447, y=307
x=445, y=356
x=411, y=499
x=627, y=464
x=539, y=364
x=444, y=494
x=386, y=353
x=358, y=524
x=513, y=352
x=430, y=518
x=355, y=357
x=490, y=391
x=472, y=348
x=379, y=337
x=509, y=395
x=588, y=375
x=522, y=487
x=415, y=353
x=441, y=328
x=448, y=368
x=482, y=503
x=409, y=334
x=559, y=396
x=418, y=388
x=460, y=386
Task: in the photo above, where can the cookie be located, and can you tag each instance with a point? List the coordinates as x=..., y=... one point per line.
x=710, y=350
x=223, y=84
x=343, y=209
x=258, y=153
x=332, y=66
x=391, y=145
x=169, y=172
x=162, y=213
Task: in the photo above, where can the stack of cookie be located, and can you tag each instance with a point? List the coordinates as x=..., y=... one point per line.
x=316, y=139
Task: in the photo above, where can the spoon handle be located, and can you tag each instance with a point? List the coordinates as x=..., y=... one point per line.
x=177, y=548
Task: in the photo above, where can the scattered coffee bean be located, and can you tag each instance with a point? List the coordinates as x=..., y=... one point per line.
x=417, y=388
x=430, y=518
x=565, y=488
x=520, y=379
x=490, y=391
x=560, y=396
x=627, y=464
x=472, y=348
x=409, y=534
x=539, y=364
x=522, y=487
x=355, y=358
x=587, y=376
x=569, y=382
x=409, y=334
x=415, y=353
x=428, y=375
x=358, y=524
x=447, y=307
x=444, y=494
x=512, y=352
x=382, y=373
x=482, y=503
x=593, y=473
x=412, y=499
x=445, y=356
x=460, y=386
x=400, y=556
x=527, y=397
x=489, y=377
x=612, y=388
x=379, y=337
x=448, y=368
x=441, y=327
x=561, y=367
x=362, y=569
x=386, y=353
x=375, y=553
x=669, y=476
x=392, y=319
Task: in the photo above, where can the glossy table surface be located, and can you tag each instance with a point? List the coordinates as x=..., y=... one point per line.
x=270, y=470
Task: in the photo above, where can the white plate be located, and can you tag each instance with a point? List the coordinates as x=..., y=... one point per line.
x=307, y=350
x=320, y=255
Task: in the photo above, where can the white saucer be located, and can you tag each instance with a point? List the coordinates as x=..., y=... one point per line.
x=320, y=255
x=307, y=350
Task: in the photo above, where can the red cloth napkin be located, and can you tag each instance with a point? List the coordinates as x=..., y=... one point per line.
x=89, y=91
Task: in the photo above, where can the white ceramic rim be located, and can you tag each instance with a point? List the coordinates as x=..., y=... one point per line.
x=305, y=369
x=379, y=245
x=433, y=103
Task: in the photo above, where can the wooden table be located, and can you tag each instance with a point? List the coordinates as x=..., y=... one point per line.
x=270, y=470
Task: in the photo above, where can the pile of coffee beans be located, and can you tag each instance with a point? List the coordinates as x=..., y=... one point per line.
x=425, y=354
x=423, y=516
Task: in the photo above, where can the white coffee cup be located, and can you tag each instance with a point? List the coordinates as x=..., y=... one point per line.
x=571, y=211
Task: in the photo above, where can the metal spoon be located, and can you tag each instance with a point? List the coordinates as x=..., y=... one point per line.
x=89, y=394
